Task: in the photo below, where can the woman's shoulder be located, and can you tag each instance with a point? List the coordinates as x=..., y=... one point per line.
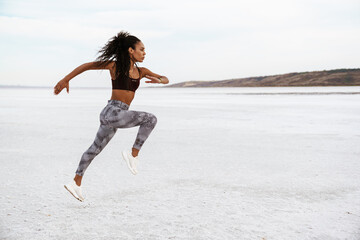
x=111, y=65
x=142, y=72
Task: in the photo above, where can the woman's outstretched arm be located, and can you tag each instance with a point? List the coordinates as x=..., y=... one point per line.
x=64, y=83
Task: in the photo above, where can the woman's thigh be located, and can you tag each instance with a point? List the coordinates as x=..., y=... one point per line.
x=127, y=119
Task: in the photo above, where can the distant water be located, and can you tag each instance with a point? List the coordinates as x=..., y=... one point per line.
x=166, y=96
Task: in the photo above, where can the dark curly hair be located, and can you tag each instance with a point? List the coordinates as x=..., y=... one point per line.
x=116, y=49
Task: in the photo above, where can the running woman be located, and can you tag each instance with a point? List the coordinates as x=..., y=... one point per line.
x=119, y=56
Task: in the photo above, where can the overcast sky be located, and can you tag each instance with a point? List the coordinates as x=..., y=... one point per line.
x=43, y=40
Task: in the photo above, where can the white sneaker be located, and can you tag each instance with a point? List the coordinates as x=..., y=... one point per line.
x=75, y=190
x=131, y=161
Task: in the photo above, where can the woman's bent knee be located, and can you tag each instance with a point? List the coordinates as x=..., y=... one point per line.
x=152, y=119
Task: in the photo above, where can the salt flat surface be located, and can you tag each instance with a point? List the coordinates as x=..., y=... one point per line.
x=222, y=163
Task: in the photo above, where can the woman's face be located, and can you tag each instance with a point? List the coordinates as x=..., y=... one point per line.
x=137, y=54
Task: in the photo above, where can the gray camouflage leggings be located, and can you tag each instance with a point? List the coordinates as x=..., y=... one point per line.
x=116, y=115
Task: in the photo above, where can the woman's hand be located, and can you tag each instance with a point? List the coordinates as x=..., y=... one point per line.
x=60, y=86
x=153, y=79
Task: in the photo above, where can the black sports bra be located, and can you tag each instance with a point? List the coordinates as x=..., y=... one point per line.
x=129, y=83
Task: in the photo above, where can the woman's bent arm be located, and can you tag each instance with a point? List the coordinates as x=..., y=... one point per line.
x=154, y=78
x=64, y=83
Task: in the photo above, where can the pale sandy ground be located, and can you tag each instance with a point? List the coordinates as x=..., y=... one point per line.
x=220, y=164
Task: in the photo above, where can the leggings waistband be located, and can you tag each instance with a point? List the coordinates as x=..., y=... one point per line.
x=119, y=104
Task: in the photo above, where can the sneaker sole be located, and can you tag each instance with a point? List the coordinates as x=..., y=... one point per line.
x=72, y=193
x=128, y=163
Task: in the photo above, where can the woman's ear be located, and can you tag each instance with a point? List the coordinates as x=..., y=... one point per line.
x=131, y=50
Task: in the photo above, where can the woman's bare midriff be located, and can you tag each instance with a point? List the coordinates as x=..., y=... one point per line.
x=125, y=96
